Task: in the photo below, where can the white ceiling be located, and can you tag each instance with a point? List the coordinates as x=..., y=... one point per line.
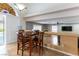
x=38, y=8
x=32, y=9
x=71, y=20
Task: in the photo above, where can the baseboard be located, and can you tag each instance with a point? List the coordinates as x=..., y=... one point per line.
x=60, y=51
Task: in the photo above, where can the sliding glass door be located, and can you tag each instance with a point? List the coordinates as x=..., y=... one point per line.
x=1, y=31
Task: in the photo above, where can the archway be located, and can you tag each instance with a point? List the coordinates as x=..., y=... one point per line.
x=5, y=6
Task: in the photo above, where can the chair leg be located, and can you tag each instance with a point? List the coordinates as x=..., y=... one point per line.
x=30, y=47
x=42, y=48
x=18, y=48
x=36, y=46
x=39, y=49
x=22, y=49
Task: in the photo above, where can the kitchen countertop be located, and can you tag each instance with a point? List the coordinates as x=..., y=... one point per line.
x=62, y=33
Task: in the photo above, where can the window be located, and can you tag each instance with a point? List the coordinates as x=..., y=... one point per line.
x=54, y=28
x=37, y=27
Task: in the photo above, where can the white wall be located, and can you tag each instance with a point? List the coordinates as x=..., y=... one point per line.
x=60, y=27
x=23, y=23
x=11, y=27
x=75, y=28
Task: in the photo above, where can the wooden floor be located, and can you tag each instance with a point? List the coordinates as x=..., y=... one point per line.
x=10, y=50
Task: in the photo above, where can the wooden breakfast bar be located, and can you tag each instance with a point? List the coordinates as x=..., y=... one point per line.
x=67, y=42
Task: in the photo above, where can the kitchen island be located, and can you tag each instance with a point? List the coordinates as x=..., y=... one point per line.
x=67, y=42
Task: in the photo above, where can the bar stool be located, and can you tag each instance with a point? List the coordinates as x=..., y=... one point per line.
x=25, y=40
x=38, y=40
x=22, y=41
x=20, y=38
